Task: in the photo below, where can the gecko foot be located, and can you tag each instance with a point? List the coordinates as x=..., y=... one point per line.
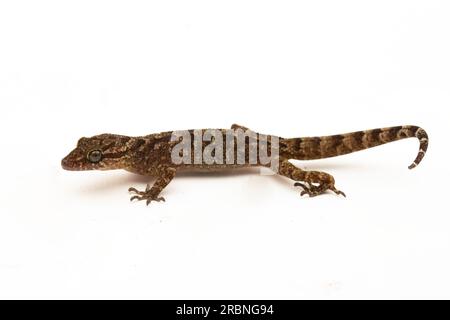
x=145, y=195
x=313, y=190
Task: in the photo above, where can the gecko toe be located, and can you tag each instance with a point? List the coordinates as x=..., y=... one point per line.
x=341, y=193
x=338, y=192
x=306, y=190
x=137, y=192
x=158, y=199
x=299, y=184
x=135, y=198
x=133, y=190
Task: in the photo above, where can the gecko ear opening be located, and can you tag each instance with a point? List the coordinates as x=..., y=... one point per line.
x=95, y=156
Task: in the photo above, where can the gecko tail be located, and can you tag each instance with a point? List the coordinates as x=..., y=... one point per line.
x=422, y=135
x=312, y=148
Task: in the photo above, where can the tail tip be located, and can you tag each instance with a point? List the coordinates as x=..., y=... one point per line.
x=412, y=166
x=420, y=134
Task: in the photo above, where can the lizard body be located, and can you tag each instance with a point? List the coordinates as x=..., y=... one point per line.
x=152, y=155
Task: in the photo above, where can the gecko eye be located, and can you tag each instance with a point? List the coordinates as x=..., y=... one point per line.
x=95, y=156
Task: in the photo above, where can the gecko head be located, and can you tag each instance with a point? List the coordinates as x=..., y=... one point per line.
x=101, y=152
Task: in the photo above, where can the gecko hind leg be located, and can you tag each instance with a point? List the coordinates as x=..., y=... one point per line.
x=315, y=182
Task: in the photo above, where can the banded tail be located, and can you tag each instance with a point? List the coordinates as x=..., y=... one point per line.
x=331, y=146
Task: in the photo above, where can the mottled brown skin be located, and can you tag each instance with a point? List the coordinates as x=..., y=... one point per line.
x=151, y=156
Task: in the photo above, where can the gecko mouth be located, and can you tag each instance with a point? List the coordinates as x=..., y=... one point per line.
x=67, y=165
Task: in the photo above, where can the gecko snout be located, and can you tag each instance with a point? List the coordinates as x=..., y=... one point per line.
x=65, y=164
x=71, y=162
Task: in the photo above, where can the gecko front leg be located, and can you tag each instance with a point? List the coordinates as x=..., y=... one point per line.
x=165, y=175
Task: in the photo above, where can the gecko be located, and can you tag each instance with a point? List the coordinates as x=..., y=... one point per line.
x=152, y=155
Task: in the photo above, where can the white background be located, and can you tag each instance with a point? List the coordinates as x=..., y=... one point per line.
x=291, y=68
